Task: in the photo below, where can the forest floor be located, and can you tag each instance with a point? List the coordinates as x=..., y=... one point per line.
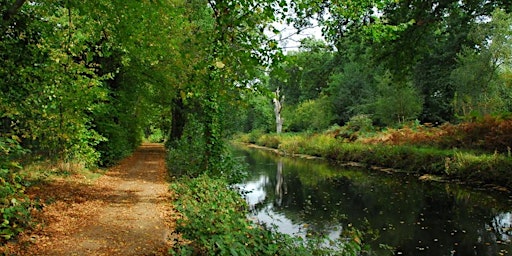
x=127, y=211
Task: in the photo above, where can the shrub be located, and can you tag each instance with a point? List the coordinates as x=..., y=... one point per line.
x=254, y=135
x=185, y=158
x=241, y=137
x=13, y=203
x=362, y=123
x=317, y=144
x=310, y=115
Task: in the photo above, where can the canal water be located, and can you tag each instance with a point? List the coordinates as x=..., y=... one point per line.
x=300, y=197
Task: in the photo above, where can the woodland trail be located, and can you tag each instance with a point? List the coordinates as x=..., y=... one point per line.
x=127, y=211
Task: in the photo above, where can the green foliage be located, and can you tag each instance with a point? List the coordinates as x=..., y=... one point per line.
x=155, y=135
x=223, y=53
x=270, y=140
x=301, y=76
x=396, y=102
x=255, y=135
x=259, y=114
x=310, y=115
x=360, y=123
x=77, y=81
x=487, y=168
x=479, y=87
x=418, y=42
x=14, y=205
x=52, y=90
x=351, y=87
x=293, y=144
x=186, y=157
x=214, y=220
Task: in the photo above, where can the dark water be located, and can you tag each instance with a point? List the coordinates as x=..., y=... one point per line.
x=300, y=196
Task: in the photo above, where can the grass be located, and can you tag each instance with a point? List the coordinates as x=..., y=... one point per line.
x=41, y=172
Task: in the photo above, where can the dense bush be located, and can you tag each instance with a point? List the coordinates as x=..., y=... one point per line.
x=186, y=157
x=269, y=140
x=13, y=203
x=361, y=123
x=310, y=115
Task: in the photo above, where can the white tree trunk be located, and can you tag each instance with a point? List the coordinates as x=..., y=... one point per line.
x=278, y=105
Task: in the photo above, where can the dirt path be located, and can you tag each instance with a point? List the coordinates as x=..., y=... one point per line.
x=127, y=211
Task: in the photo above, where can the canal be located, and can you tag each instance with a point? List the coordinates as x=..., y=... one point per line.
x=300, y=197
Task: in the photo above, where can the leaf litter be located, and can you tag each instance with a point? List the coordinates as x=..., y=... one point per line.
x=127, y=211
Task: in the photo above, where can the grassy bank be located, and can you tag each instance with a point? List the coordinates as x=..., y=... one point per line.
x=467, y=165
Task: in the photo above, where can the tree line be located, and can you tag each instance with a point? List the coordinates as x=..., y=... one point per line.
x=393, y=62
x=85, y=81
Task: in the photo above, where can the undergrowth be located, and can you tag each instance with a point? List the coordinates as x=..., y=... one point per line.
x=14, y=205
x=486, y=134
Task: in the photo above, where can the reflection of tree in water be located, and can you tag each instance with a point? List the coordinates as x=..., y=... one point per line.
x=280, y=184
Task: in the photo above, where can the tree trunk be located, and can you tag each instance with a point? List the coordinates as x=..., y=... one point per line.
x=178, y=120
x=278, y=106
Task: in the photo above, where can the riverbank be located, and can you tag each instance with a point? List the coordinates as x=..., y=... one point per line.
x=478, y=168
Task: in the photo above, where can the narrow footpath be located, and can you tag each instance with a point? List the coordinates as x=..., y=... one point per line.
x=127, y=211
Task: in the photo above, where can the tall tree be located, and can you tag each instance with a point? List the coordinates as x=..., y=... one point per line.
x=478, y=77
x=229, y=50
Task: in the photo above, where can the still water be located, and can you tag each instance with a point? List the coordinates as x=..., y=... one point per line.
x=299, y=196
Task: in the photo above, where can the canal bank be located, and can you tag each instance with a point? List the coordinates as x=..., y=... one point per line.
x=301, y=197
x=480, y=169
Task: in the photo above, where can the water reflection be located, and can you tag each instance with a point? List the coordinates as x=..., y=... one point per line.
x=303, y=196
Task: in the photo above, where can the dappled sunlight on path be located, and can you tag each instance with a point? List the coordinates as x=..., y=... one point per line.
x=125, y=212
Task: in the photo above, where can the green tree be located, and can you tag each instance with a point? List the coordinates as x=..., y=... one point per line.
x=479, y=76
x=303, y=73
x=229, y=50
x=352, y=85
x=396, y=102
x=309, y=115
x=80, y=77
x=416, y=40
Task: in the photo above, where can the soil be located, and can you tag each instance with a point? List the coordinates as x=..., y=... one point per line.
x=127, y=211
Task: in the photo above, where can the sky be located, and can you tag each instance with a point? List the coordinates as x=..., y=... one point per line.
x=289, y=38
